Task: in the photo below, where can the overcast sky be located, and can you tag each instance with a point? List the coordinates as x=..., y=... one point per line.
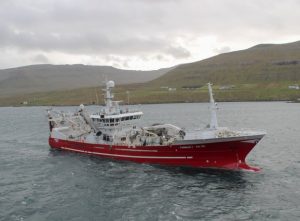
x=139, y=34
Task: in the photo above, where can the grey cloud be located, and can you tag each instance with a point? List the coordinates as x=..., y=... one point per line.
x=94, y=42
x=221, y=50
x=41, y=59
x=139, y=27
x=123, y=18
x=178, y=52
x=161, y=57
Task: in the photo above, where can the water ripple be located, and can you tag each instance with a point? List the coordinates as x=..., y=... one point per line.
x=42, y=184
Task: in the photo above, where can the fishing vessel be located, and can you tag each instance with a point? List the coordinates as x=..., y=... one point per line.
x=112, y=132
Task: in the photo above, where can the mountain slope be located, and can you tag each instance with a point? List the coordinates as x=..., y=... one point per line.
x=42, y=78
x=261, y=73
x=260, y=64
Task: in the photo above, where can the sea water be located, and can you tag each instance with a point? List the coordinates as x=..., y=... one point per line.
x=37, y=183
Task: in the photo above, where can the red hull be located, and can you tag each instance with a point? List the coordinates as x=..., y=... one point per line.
x=222, y=154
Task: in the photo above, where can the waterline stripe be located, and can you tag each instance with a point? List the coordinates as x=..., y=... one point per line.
x=135, y=150
x=127, y=156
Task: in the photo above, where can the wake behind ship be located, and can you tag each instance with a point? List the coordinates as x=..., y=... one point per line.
x=112, y=133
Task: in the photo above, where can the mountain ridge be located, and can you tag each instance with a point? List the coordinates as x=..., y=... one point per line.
x=48, y=77
x=261, y=73
x=259, y=63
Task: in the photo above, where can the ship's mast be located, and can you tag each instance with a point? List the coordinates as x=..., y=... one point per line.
x=213, y=109
x=108, y=96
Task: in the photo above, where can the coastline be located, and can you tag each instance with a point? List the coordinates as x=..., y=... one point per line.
x=134, y=94
x=101, y=104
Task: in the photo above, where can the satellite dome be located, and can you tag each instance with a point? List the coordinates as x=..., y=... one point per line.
x=81, y=107
x=110, y=84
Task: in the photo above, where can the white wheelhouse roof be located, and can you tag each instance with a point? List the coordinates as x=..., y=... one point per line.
x=113, y=116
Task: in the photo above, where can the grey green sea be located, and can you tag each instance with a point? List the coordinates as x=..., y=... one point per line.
x=37, y=183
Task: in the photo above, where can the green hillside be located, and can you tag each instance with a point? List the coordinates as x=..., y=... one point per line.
x=260, y=73
x=266, y=63
x=46, y=77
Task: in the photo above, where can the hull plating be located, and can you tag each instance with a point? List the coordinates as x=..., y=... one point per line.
x=219, y=154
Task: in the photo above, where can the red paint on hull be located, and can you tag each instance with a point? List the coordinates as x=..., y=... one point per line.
x=225, y=154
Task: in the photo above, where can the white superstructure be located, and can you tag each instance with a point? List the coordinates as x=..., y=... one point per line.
x=112, y=115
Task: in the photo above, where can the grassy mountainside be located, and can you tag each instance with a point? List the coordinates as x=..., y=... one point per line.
x=260, y=73
x=42, y=78
x=266, y=63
